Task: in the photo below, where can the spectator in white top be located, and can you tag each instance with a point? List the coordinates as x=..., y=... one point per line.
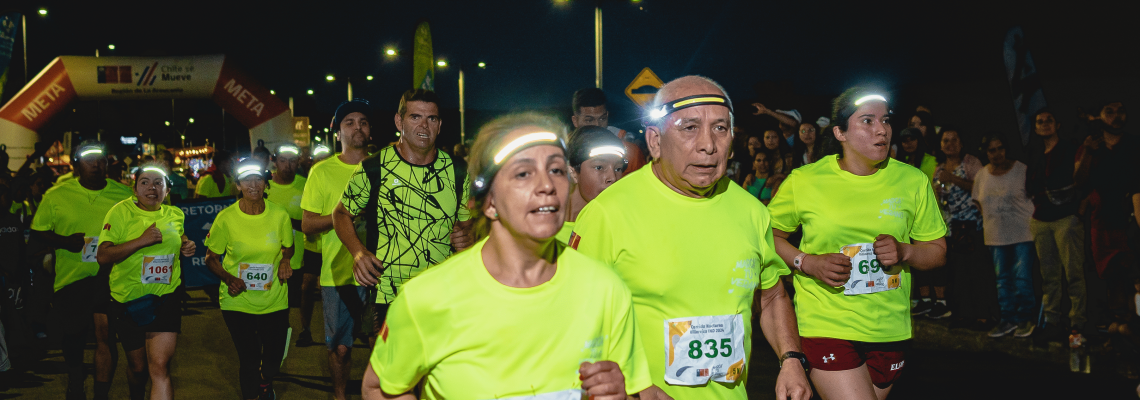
x=999, y=190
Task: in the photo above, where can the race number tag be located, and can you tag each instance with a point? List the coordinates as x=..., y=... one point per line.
x=90, y=248
x=867, y=273
x=157, y=269
x=256, y=276
x=701, y=348
x=569, y=394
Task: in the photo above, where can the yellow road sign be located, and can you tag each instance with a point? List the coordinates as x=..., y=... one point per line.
x=644, y=78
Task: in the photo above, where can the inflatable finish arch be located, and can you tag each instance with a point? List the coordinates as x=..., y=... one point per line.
x=112, y=78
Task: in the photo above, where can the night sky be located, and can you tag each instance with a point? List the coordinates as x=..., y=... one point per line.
x=787, y=54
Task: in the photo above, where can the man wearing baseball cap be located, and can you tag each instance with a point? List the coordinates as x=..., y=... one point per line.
x=343, y=299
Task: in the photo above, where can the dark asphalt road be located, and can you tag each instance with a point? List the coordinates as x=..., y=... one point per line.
x=205, y=367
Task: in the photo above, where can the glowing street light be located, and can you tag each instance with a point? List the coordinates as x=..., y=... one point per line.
x=310, y=92
x=43, y=12
x=441, y=63
x=390, y=52
x=330, y=78
x=319, y=138
x=482, y=65
x=369, y=77
x=326, y=131
x=166, y=122
x=271, y=91
x=191, y=120
x=110, y=47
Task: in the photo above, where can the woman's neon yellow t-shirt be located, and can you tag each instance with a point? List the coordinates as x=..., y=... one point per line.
x=470, y=337
x=289, y=197
x=69, y=208
x=126, y=222
x=208, y=189
x=252, y=239
x=837, y=208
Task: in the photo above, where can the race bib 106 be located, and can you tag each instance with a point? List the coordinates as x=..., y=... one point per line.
x=868, y=275
x=90, y=248
x=569, y=394
x=701, y=348
x=157, y=269
x=256, y=276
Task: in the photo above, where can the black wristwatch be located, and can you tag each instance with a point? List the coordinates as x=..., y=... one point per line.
x=799, y=356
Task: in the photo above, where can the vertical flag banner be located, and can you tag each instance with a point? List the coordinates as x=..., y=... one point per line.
x=423, y=61
x=200, y=216
x=8, y=25
x=1024, y=81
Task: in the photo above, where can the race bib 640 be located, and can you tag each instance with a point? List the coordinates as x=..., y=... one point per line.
x=256, y=276
x=868, y=275
x=698, y=349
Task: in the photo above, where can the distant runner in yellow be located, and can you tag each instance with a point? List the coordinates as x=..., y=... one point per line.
x=518, y=315
x=867, y=220
x=257, y=239
x=597, y=160
x=694, y=247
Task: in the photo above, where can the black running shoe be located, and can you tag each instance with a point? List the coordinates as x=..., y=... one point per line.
x=938, y=311
x=923, y=307
x=305, y=339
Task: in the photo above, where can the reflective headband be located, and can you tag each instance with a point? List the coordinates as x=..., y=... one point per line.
x=88, y=152
x=246, y=171
x=288, y=149
x=690, y=101
x=320, y=149
x=483, y=182
x=850, y=109
x=614, y=150
x=869, y=97
x=154, y=169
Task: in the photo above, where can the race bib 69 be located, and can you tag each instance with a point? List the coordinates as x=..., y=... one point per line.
x=698, y=349
x=868, y=275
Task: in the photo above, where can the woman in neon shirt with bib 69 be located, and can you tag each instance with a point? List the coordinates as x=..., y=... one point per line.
x=143, y=238
x=257, y=238
x=867, y=220
x=517, y=315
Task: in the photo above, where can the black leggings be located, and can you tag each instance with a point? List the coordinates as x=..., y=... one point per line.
x=260, y=342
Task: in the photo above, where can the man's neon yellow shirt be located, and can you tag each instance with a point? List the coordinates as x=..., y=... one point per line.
x=208, y=189
x=682, y=257
x=252, y=239
x=126, y=222
x=563, y=235
x=837, y=208
x=289, y=196
x=326, y=183
x=417, y=211
x=69, y=208
x=468, y=336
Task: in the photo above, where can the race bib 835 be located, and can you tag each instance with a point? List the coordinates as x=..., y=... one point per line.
x=701, y=348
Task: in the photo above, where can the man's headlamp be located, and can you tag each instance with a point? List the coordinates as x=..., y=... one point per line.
x=482, y=183
x=89, y=150
x=690, y=101
x=320, y=149
x=288, y=148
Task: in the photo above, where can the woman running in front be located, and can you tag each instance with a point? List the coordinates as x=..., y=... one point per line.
x=517, y=315
x=256, y=236
x=143, y=238
x=597, y=160
x=867, y=220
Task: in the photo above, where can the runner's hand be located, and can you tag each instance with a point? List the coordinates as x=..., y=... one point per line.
x=833, y=269
x=284, y=270
x=461, y=236
x=235, y=285
x=75, y=242
x=188, y=247
x=602, y=380
x=654, y=393
x=888, y=250
x=151, y=235
x=792, y=383
x=366, y=268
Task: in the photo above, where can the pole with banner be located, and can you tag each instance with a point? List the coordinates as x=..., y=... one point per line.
x=1024, y=81
x=7, y=44
x=423, y=61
